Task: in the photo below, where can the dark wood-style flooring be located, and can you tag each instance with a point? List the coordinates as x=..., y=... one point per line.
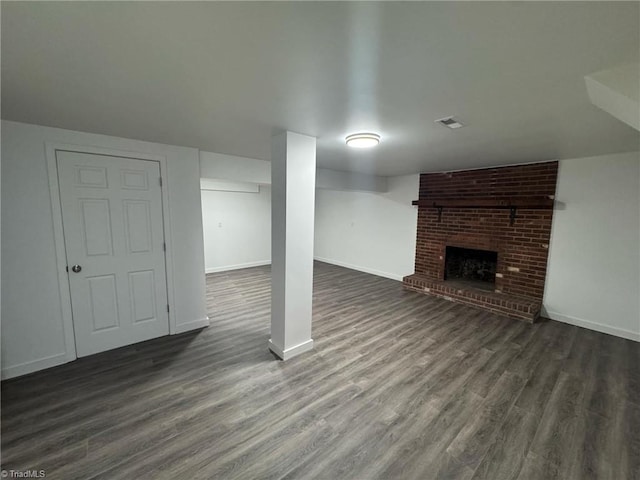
x=399, y=386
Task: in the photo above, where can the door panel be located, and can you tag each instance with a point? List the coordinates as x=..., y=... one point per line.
x=137, y=226
x=134, y=180
x=142, y=294
x=96, y=226
x=113, y=228
x=91, y=177
x=103, y=301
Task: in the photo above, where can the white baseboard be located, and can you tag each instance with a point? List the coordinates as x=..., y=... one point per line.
x=598, y=327
x=193, y=325
x=291, y=352
x=372, y=271
x=239, y=266
x=34, y=365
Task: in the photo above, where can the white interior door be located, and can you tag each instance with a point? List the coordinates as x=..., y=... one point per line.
x=114, y=240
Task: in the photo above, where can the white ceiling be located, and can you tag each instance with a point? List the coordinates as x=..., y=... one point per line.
x=225, y=77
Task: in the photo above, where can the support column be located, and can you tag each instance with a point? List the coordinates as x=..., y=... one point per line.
x=293, y=179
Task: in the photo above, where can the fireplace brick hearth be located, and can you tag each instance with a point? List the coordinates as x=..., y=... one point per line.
x=507, y=210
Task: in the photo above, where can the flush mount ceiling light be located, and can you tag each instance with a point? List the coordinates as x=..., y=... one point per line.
x=363, y=140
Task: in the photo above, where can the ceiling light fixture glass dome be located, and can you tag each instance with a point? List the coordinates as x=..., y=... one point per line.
x=363, y=140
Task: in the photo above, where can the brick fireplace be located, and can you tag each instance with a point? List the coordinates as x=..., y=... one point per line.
x=483, y=237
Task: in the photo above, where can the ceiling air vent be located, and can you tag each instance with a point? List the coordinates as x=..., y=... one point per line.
x=449, y=122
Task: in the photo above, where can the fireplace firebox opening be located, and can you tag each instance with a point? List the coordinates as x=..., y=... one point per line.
x=474, y=268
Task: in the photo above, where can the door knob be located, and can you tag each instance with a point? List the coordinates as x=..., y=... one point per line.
x=76, y=269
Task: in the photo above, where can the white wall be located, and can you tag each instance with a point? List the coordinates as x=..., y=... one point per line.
x=237, y=226
x=593, y=276
x=237, y=229
x=370, y=232
x=243, y=169
x=361, y=182
x=33, y=334
x=231, y=167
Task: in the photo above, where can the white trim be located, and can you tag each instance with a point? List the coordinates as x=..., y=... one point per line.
x=193, y=325
x=372, y=271
x=598, y=327
x=61, y=256
x=238, y=266
x=291, y=352
x=58, y=231
x=218, y=185
x=35, y=365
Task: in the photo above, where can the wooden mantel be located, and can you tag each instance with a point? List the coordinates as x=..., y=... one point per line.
x=534, y=202
x=510, y=203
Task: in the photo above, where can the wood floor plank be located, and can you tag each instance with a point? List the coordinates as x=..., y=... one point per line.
x=425, y=444
x=562, y=426
x=540, y=384
x=505, y=456
x=473, y=441
x=399, y=385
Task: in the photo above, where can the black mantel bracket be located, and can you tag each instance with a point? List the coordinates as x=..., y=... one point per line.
x=512, y=215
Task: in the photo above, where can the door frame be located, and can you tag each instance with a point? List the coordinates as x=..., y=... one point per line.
x=58, y=231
